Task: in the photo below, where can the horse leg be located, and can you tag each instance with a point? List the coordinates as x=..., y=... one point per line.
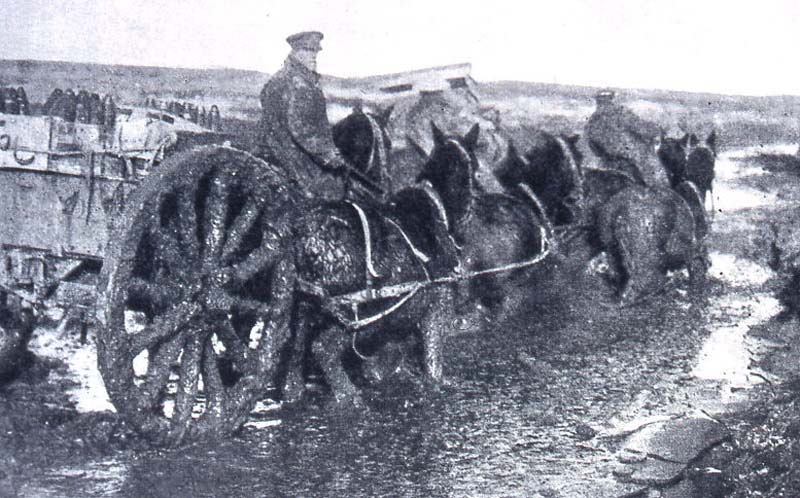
x=698, y=268
x=643, y=269
x=332, y=342
x=626, y=270
x=294, y=384
x=713, y=209
x=438, y=319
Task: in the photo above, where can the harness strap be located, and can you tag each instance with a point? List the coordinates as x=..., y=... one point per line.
x=437, y=201
x=378, y=146
x=539, y=207
x=357, y=324
x=408, y=289
x=419, y=254
x=371, y=273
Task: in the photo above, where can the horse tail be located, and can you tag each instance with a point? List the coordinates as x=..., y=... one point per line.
x=578, y=194
x=696, y=201
x=541, y=214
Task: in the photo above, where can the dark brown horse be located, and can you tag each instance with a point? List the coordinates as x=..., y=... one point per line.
x=362, y=139
x=550, y=167
x=649, y=231
x=687, y=159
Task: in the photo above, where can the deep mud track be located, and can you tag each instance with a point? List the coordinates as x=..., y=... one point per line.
x=564, y=400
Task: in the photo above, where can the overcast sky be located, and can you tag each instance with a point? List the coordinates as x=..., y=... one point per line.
x=737, y=47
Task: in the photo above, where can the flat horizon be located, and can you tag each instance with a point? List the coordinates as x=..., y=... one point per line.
x=501, y=81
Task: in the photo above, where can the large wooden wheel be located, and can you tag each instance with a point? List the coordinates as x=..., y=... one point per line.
x=196, y=294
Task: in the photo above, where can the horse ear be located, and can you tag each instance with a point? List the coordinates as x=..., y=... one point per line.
x=693, y=140
x=685, y=140
x=438, y=136
x=514, y=154
x=711, y=141
x=471, y=138
x=384, y=115
x=418, y=148
x=573, y=139
x=358, y=108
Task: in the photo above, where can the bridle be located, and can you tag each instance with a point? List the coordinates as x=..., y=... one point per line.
x=378, y=150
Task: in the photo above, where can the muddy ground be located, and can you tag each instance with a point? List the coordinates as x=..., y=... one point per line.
x=539, y=405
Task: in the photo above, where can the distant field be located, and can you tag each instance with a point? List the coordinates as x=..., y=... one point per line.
x=739, y=121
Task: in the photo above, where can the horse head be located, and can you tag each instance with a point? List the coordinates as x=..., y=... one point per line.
x=451, y=168
x=363, y=140
x=550, y=169
x=700, y=163
x=673, y=153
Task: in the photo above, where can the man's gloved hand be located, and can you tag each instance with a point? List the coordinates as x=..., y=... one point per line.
x=335, y=163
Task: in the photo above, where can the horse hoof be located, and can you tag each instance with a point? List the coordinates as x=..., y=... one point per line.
x=351, y=402
x=293, y=388
x=627, y=298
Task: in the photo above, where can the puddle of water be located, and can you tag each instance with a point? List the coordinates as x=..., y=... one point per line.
x=103, y=478
x=730, y=198
x=89, y=394
x=738, y=272
x=726, y=355
x=745, y=152
x=731, y=166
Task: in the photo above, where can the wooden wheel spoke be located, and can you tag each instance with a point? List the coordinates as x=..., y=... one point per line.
x=187, y=386
x=251, y=305
x=169, y=252
x=256, y=261
x=216, y=213
x=159, y=367
x=155, y=293
x=241, y=226
x=186, y=221
x=163, y=327
x=235, y=345
x=214, y=388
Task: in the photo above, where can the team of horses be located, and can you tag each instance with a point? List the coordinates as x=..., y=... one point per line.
x=444, y=223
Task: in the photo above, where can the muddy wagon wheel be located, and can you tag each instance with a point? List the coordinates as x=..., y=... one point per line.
x=194, y=294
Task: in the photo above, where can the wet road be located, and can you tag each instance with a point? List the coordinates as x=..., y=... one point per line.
x=536, y=406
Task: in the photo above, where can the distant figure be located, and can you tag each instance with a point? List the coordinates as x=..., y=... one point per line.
x=624, y=141
x=294, y=131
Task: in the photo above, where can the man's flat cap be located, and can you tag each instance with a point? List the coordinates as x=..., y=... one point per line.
x=308, y=40
x=605, y=94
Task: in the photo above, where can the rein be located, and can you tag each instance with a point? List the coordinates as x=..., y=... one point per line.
x=408, y=289
x=378, y=145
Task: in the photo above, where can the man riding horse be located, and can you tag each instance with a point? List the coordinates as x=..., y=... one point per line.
x=624, y=141
x=294, y=130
